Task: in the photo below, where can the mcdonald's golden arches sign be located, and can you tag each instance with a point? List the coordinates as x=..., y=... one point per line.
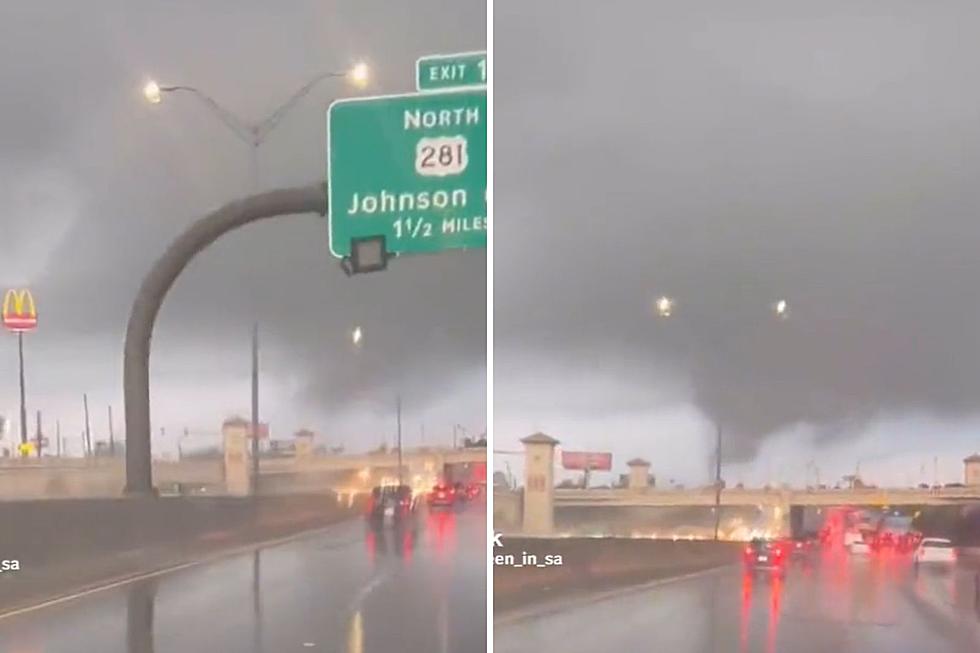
x=19, y=310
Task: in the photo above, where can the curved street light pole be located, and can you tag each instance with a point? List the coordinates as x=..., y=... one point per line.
x=255, y=134
x=156, y=284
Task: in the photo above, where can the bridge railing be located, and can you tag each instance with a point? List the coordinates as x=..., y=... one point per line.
x=764, y=496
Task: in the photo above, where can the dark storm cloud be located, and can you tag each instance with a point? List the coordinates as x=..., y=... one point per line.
x=731, y=155
x=97, y=182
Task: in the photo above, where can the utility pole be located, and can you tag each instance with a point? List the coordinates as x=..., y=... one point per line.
x=454, y=435
x=718, y=483
x=38, y=436
x=88, y=429
x=23, y=403
x=255, y=410
x=398, y=409
x=112, y=439
x=935, y=471
x=180, y=441
x=57, y=435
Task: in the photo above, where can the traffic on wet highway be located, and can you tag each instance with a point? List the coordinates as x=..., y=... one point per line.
x=828, y=600
x=354, y=587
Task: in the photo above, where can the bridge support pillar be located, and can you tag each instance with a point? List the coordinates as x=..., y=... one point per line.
x=780, y=519
x=539, y=484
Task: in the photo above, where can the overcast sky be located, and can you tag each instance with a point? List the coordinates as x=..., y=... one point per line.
x=95, y=183
x=729, y=155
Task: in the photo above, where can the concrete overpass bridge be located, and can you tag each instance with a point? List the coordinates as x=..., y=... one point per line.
x=539, y=508
x=104, y=477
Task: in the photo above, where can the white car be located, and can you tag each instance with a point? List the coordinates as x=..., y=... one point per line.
x=859, y=547
x=935, y=549
x=850, y=537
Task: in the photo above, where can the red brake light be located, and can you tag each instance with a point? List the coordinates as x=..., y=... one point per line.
x=748, y=550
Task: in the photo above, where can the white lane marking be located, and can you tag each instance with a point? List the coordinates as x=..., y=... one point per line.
x=561, y=605
x=128, y=580
x=364, y=592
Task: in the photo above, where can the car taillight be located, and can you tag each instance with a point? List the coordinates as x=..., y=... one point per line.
x=748, y=550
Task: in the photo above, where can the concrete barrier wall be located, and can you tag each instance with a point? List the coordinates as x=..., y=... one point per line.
x=506, y=511
x=49, y=531
x=68, y=545
x=589, y=564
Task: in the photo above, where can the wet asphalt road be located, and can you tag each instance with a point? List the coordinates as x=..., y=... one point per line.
x=836, y=604
x=342, y=590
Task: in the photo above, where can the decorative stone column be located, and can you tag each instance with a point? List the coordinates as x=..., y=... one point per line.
x=234, y=433
x=639, y=477
x=303, y=442
x=539, y=484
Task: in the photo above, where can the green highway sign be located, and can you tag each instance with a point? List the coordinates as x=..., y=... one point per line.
x=440, y=72
x=411, y=168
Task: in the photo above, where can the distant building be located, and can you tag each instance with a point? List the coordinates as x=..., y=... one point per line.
x=971, y=470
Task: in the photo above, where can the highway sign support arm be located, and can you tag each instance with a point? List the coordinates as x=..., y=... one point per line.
x=156, y=284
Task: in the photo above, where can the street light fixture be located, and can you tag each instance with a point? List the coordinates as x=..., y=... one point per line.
x=359, y=73
x=665, y=306
x=781, y=309
x=357, y=336
x=152, y=92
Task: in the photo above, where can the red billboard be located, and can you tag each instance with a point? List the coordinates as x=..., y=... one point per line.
x=591, y=460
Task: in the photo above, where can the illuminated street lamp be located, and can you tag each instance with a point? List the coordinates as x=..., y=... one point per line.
x=357, y=336
x=665, y=306
x=781, y=309
x=152, y=92
x=359, y=73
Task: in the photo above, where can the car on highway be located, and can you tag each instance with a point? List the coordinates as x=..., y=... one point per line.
x=391, y=504
x=859, y=547
x=852, y=536
x=442, y=496
x=765, y=555
x=935, y=550
x=800, y=548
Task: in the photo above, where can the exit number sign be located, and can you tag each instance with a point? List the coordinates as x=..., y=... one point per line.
x=442, y=72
